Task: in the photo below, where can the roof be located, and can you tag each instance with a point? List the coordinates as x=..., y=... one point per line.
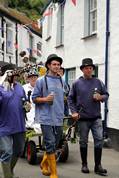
x=21, y=18
x=45, y=7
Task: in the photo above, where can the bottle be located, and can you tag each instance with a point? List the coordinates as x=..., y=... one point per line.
x=73, y=135
x=51, y=102
x=95, y=93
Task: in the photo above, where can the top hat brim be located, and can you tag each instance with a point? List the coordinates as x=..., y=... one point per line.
x=32, y=75
x=82, y=66
x=59, y=59
x=7, y=67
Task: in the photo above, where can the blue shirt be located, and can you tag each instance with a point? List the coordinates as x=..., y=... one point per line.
x=49, y=114
x=81, y=97
x=12, y=118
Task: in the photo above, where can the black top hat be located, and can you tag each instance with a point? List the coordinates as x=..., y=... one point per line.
x=52, y=57
x=87, y=62
x=7, y=67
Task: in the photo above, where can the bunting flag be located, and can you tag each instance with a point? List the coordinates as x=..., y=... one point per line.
x=16, y=45
x=48, y=13
x=74, y=2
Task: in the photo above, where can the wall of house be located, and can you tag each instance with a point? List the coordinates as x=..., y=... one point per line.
x=114, y=66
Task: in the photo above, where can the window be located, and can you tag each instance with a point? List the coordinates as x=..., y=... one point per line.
x=1, y=38
x=39, y=49
x=95, y=72
x=31, y=41
x=49, y=22
x=90, y=17
x=60, y=25
x=70, y=75
x=9, y=38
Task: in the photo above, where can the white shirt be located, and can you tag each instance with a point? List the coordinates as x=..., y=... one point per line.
x=30, y=123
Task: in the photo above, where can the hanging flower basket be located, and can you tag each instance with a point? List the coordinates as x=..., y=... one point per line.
x=22, y=53
x=25, y=59
x=32, y=59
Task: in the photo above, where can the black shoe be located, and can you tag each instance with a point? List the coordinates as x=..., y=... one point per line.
x=85, y=169
x=100, y=171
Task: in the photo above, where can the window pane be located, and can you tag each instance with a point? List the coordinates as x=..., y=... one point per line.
x=1, y=39
x=49, y=22
x=71, y=76
x=39, y=49
x=9, y=38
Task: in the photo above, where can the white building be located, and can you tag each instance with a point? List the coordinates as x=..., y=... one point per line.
x=17, y=34
x=86, y=29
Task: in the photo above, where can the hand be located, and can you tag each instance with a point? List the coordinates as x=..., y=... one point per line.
x=50, y=98
x=27, y=106
x=97, y=97
x=75, y=116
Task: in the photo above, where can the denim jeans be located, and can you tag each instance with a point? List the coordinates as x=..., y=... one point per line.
x=12, y=145
x=96, y=129
x=18, y=144
x=6, y=150
x=51, y=137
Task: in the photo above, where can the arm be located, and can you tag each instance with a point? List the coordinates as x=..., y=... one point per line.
x=103, y=95
x=72, y=103
x=38, y=96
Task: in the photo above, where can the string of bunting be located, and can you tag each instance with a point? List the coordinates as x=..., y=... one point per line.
x=49, y=12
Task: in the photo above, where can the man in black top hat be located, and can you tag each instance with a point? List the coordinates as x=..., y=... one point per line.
x=84, y=100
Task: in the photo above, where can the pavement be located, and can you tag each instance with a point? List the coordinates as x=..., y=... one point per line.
x=71, y=169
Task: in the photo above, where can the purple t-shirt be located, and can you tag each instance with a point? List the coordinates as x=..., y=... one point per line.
x=12, y=117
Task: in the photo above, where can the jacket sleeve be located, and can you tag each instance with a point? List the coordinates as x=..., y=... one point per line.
x=104, y=92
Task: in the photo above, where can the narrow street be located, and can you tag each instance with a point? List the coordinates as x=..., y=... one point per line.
x=71, y=169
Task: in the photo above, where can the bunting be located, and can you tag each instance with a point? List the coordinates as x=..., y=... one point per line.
x=74, y=2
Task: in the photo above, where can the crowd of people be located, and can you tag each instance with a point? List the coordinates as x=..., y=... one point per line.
x=48, y=99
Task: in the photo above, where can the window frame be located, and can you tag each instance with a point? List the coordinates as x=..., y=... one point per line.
x=60, y=26
x=89, y=10
x=9, y=38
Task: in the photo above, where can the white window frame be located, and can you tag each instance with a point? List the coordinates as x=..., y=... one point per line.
x=71, y=75
x=31, y=44
x=39, y=46
x=9, y=38
x=60, y=26
x=90, y=17
x=49, y=22
x=93, y=16
x=1, y=38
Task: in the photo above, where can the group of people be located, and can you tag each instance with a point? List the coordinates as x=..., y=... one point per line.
x=45, y=98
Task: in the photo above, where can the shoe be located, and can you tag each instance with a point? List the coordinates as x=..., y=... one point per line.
x=100, y=171
x=85, y=169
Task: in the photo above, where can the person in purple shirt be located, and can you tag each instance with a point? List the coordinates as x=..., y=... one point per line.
x=84, y=101
x=12, y=121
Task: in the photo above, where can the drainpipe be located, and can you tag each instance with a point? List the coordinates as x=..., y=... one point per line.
x=106, y=63
x=16, y=41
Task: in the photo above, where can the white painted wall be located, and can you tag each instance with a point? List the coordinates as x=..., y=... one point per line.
x=75, y=48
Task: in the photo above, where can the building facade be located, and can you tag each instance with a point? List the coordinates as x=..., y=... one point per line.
x=17, y=34
x=86, y=28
